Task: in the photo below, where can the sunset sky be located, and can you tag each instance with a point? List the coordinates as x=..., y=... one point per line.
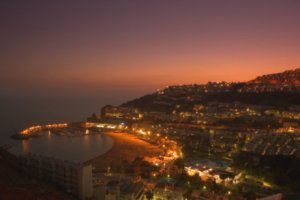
x=82, y=47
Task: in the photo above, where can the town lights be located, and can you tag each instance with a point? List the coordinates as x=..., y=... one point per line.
x=175, y=155
x=181, y=155
x=37, y=128
x=142, y=132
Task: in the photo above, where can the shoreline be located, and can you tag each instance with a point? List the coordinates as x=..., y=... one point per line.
x=125, y=147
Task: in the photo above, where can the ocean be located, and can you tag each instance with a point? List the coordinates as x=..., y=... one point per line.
x=17, y=114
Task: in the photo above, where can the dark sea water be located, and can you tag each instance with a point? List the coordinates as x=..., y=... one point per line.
x=16, y=114
x=78, y=148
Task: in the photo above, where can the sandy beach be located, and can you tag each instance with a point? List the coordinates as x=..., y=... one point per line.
x=125, y=147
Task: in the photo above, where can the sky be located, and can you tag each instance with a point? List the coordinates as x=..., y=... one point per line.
x=128, y=48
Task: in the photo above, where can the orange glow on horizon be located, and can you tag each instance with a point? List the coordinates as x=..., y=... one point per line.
x=142, y=51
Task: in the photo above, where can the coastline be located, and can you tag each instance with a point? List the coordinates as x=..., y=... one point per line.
x=125, y=147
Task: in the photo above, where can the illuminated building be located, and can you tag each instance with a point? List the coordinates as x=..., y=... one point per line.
x=113, y=124
x=118, y=112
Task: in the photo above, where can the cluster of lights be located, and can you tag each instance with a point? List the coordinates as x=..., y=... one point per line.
x=206, y=173
x=172, y=154
x=31, y=130
x=61, y=125
x=36, y=128
x=142, y=132
x=111, y=126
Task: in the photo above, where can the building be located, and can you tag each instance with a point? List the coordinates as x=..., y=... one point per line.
x=119, y=112
x=109, y=124
x=120, y=190
x=74, y=178
x=166, y=194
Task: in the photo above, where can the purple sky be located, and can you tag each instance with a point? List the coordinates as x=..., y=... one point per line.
x=134, y=47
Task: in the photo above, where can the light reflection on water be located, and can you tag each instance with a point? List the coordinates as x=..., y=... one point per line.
x=25, y=146
x=77, y=148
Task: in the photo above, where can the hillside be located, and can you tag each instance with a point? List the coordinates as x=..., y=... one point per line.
x=290, y=77
x=280, y=89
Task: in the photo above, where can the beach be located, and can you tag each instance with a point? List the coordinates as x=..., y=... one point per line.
x=125, y=147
